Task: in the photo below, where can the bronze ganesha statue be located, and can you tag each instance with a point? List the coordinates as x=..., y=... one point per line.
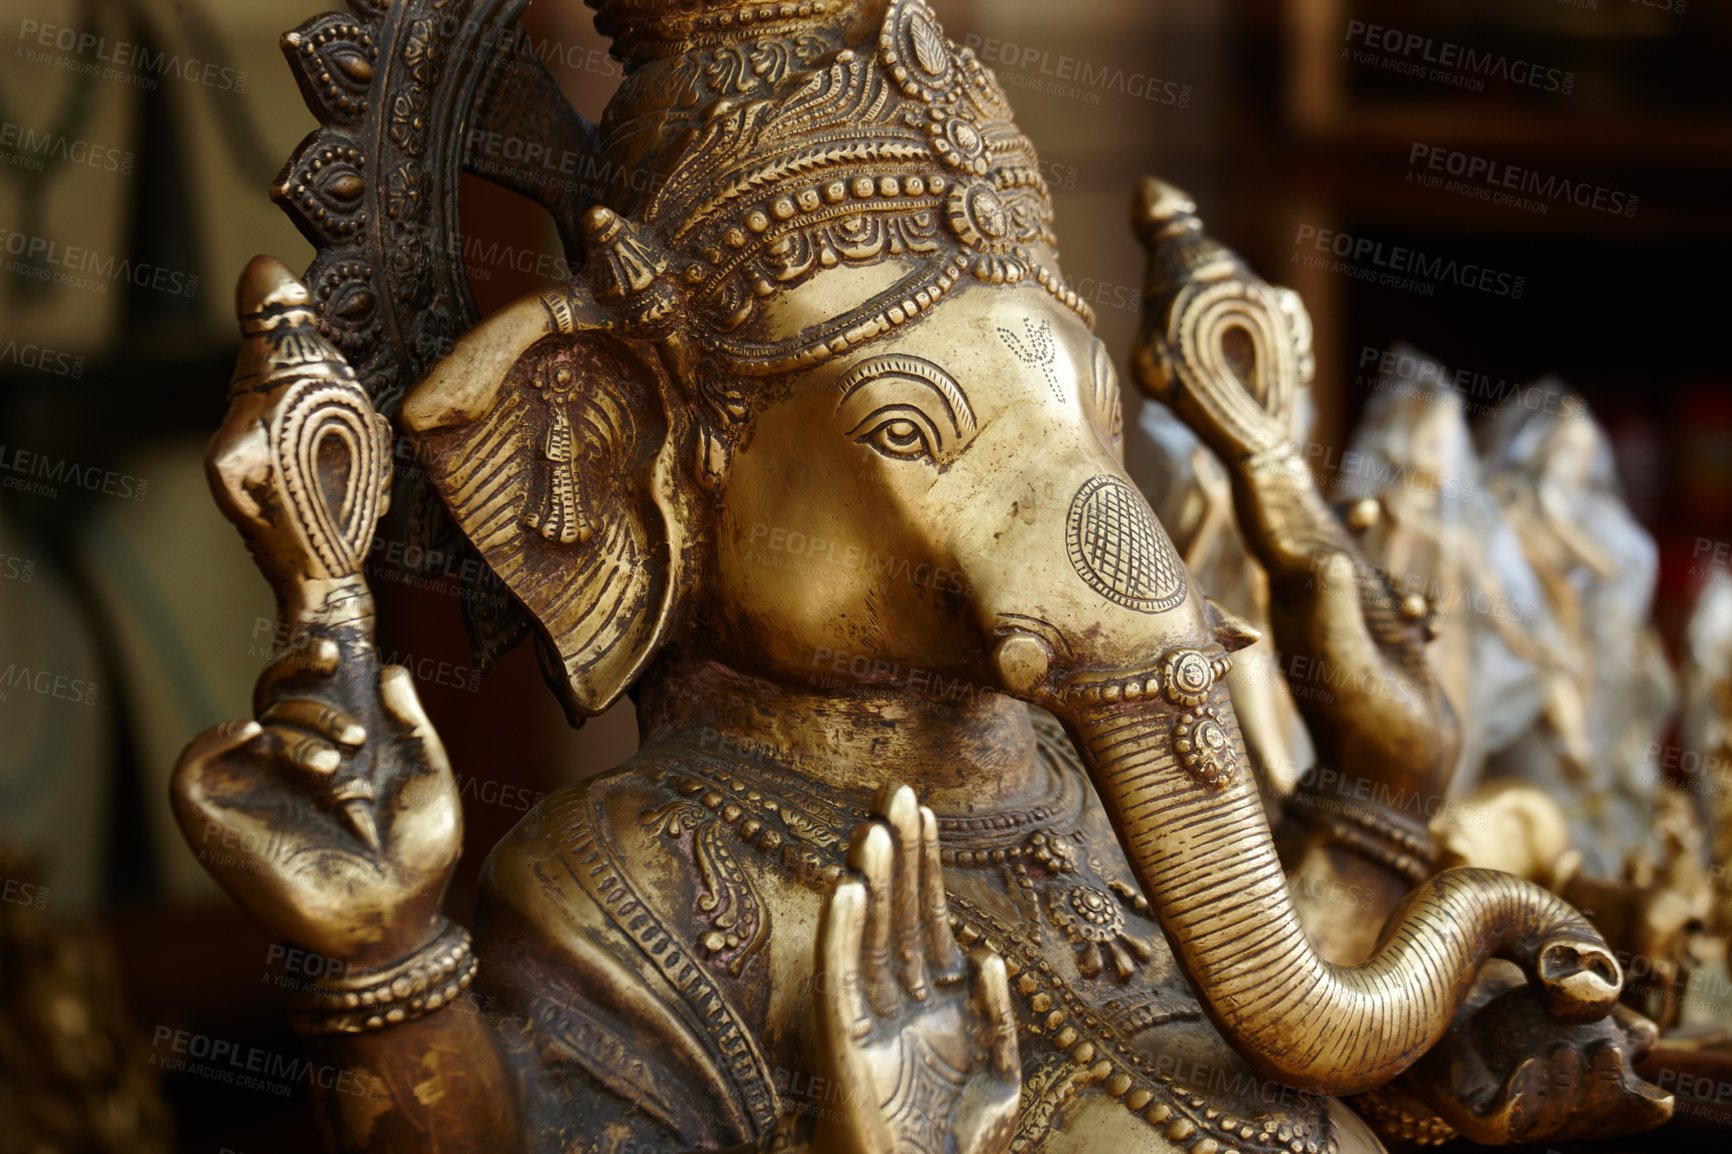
x=942, y=834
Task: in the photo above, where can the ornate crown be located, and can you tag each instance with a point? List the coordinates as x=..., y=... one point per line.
x=792, y=153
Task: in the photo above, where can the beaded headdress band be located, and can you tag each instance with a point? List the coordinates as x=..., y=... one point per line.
x=800, y=156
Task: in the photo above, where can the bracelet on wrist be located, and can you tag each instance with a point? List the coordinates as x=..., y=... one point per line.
x=428, y=979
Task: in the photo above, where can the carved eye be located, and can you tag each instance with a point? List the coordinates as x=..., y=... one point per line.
x=902, y=435
x=905, y=408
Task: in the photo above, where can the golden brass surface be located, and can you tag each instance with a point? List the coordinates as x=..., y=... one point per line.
x=942, y=834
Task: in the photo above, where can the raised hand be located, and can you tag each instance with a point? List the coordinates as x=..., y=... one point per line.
x=336, y=837
x=333, y=819
x=1231, y=355
x=920, y=1041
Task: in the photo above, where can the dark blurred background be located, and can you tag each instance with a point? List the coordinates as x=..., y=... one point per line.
x=131, y=199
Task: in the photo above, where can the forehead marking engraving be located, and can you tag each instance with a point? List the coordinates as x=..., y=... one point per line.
x=1039, y=351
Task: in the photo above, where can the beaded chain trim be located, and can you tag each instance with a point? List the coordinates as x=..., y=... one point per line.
x=428, y=979
x=1368, y=830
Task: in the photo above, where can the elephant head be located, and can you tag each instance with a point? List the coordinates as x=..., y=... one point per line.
x=835, y=317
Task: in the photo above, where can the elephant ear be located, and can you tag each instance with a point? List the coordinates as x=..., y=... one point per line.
x=548, y=434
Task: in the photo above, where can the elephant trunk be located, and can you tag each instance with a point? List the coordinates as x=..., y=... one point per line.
x=1188, y=814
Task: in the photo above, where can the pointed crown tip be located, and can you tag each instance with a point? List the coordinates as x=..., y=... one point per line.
x=268, y=284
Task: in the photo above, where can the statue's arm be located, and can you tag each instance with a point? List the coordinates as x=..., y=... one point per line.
x=1506, y=1070
x=397, y=1054
x=437, y=1083
x=332, y=816
x=1353, y=648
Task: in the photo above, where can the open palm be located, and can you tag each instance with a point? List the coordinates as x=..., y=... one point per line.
x=921, y=1041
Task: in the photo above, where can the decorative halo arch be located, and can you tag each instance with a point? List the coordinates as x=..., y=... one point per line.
x=400, y=89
